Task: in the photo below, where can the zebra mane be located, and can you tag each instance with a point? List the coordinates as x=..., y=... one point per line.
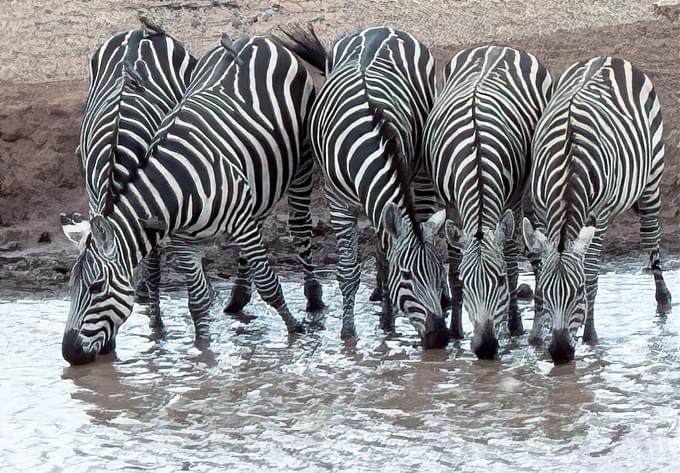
x=388, y=131
x=131, y=79
x=305, y=44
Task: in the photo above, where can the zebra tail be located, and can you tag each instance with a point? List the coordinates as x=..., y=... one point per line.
x=306, y=44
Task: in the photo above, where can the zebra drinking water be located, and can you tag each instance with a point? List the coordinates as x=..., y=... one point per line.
x=477, y=141
x=366, y=131
x=598, y=150
x=121, y=117
x=218, y=163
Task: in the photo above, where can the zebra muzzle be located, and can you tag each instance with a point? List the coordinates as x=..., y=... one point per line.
x=436, y=334
x=484, y=342
x=562, y=346
x=72, y=349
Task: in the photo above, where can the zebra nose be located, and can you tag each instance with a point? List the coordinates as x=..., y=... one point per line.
x=561, y=348
x=436, y=334
x=72, y=349
x=484, y=343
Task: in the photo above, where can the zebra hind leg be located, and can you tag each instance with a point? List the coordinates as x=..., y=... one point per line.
x=456, y=330
x=300, y=225
x=650, y=235
x=242, y=289
x=348, y=268
x=188, y=262
x=266, y=281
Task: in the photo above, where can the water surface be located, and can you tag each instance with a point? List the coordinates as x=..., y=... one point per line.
x=252, y=402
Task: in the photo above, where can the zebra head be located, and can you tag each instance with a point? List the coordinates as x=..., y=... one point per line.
x=484, y=275
x=416, y=274
x=561, y=286
x=101, y=296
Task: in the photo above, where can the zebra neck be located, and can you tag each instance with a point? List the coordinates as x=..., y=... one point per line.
x=133, y=241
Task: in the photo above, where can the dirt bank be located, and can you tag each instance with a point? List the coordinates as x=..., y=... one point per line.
x=39, y=120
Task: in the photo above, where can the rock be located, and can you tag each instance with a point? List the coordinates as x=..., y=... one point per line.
x=195, y=23
x=668, y=8
x=11, y=246
x=524, y=292
x=10, y=133
x=45, y=238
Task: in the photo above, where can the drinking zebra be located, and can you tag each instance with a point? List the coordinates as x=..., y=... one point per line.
x=366, y=132
x=121, y=116
x=218, y=164
x=597, y=150
x=477, y=141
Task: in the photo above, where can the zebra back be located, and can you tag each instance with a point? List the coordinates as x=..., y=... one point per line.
x=597, y=147
x=478, y=134
x=136, y=77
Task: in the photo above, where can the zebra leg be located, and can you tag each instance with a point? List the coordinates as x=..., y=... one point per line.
x=188, y=263
x=535, y=334
x=300, y=225
x=591, y=265
x=387, y=312
x=456, y=293
x=150, y=281
x=348, y=269
x=515, y=326
x=377, y=294
x=266, y=281
x=650, y=235
x=241, y=291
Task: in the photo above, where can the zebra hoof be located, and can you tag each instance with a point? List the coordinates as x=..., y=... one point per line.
x=515, y=326
x=348, y=332
x=314, y=295
x=376, y=295
x=296, y=327
x=240, y=296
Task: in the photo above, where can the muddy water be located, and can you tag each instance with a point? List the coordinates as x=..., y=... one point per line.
x=255, y=403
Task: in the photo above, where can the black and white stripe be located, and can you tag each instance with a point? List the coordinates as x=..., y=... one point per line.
x=136, y=78
x=366, y=131
x=218, y=164
x=598, y=150
x=477, y=141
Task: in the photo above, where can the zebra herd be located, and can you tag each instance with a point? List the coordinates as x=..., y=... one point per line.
x=177, y=151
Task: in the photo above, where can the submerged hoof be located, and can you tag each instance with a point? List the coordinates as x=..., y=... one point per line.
x=297, y=327
x=240, y=296
x=348, y=332
x=515, y=326
x=376, y=295
x=314, y=295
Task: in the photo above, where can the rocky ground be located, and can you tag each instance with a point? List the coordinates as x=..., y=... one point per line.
x=46, y=46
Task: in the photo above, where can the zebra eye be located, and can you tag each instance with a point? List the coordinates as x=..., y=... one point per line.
x=97, y=286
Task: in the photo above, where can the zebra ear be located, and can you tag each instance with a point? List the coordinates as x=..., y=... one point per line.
x=102, y=232
x=455, y=236
x=581, y=244
x=505, y=229
x=535, y=241
x=75, y=228
x=391, y=220
x=433, y=224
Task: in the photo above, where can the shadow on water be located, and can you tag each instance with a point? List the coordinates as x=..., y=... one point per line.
x=256, y=400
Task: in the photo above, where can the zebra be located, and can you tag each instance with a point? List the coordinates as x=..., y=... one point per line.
x=598, y=150
x=218, y=163
x=119, y=121
x=477, y=141
x=366, y=132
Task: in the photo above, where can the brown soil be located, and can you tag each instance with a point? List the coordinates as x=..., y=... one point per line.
x=40, y=116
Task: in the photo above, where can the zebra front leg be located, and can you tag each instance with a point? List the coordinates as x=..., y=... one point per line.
x=515, y=326
x=200, y=294
x=148, y=289
x=456, y=284
x=377, y=294
x=387, y=310
x=300, y=225
x=662, y=294
x=241, y=291
x=535, y=334
x=348, y=268
x=266, y=281
x=591, y=264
